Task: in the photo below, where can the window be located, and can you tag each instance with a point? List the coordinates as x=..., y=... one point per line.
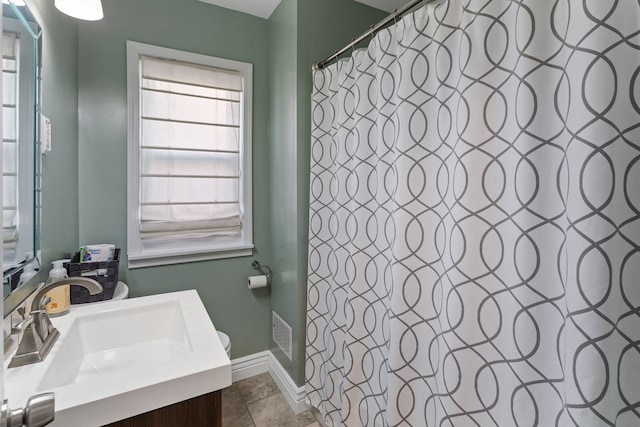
x=10, y=72
x=18, y=136
x=189, y=159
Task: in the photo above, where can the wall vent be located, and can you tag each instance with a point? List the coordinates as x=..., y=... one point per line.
x=281, y=333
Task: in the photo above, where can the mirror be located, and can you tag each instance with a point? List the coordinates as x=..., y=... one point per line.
x=21, y=62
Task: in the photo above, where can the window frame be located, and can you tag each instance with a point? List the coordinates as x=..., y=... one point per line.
x=185, y=250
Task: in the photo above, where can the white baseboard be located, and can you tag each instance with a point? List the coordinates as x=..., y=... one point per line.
x=265, y=361
x=250, y=366
x=296, y=396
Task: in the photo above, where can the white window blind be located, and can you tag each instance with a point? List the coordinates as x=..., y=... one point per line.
x=190, y=142
x=10, y=55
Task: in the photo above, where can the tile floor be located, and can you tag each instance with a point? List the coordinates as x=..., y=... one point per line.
x=257, y=402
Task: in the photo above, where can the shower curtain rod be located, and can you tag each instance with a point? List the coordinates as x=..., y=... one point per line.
x=372, y=30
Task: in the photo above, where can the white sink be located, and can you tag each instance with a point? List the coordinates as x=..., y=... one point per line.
x=123, y=358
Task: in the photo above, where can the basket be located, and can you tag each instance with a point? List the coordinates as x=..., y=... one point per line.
x=103, y=272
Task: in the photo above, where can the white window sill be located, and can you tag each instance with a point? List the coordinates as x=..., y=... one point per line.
x=164, y=257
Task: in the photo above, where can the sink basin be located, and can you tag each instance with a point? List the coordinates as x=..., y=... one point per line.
x=102, y=343
x=122, y=358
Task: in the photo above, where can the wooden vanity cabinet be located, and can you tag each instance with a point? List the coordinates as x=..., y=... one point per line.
x=205, y=410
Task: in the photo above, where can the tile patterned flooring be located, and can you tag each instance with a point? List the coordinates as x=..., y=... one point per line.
x=257, y=402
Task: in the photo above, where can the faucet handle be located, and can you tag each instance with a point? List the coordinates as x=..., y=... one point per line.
x=22, y=325
x=44, y=302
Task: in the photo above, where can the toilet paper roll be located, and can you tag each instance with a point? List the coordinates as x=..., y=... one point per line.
x=255, y=282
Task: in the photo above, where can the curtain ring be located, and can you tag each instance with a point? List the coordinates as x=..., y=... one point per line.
x=353, y=46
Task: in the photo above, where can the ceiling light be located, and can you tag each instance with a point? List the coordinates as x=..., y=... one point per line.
x=88, y=10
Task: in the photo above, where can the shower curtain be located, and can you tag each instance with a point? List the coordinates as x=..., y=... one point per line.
x=474, y=224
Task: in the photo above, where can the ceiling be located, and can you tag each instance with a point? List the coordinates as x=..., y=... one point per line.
x=264, y=8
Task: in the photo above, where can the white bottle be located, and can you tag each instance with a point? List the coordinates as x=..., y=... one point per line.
x=61, y=295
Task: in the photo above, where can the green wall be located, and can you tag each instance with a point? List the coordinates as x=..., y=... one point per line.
x=284, y=237
x=302, y=32
x=197, y=27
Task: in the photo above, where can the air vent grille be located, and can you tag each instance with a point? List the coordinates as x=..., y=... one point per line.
x=281, y=333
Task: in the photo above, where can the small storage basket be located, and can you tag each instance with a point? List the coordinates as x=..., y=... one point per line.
x=103, y=272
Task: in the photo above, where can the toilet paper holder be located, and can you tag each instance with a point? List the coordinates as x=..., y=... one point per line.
x=261, y=268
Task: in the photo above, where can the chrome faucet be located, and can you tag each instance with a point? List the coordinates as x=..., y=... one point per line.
x=38, y=333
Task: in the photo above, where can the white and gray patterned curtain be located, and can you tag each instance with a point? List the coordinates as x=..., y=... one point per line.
x=474, y=252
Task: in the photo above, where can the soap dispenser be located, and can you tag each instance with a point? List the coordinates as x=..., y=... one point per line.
x=28, y=272
x=61, y=295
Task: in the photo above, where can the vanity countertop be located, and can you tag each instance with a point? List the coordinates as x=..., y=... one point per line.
x=122, y=358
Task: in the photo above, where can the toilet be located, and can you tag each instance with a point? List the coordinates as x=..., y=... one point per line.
x=121, y=292
x=226, y=343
